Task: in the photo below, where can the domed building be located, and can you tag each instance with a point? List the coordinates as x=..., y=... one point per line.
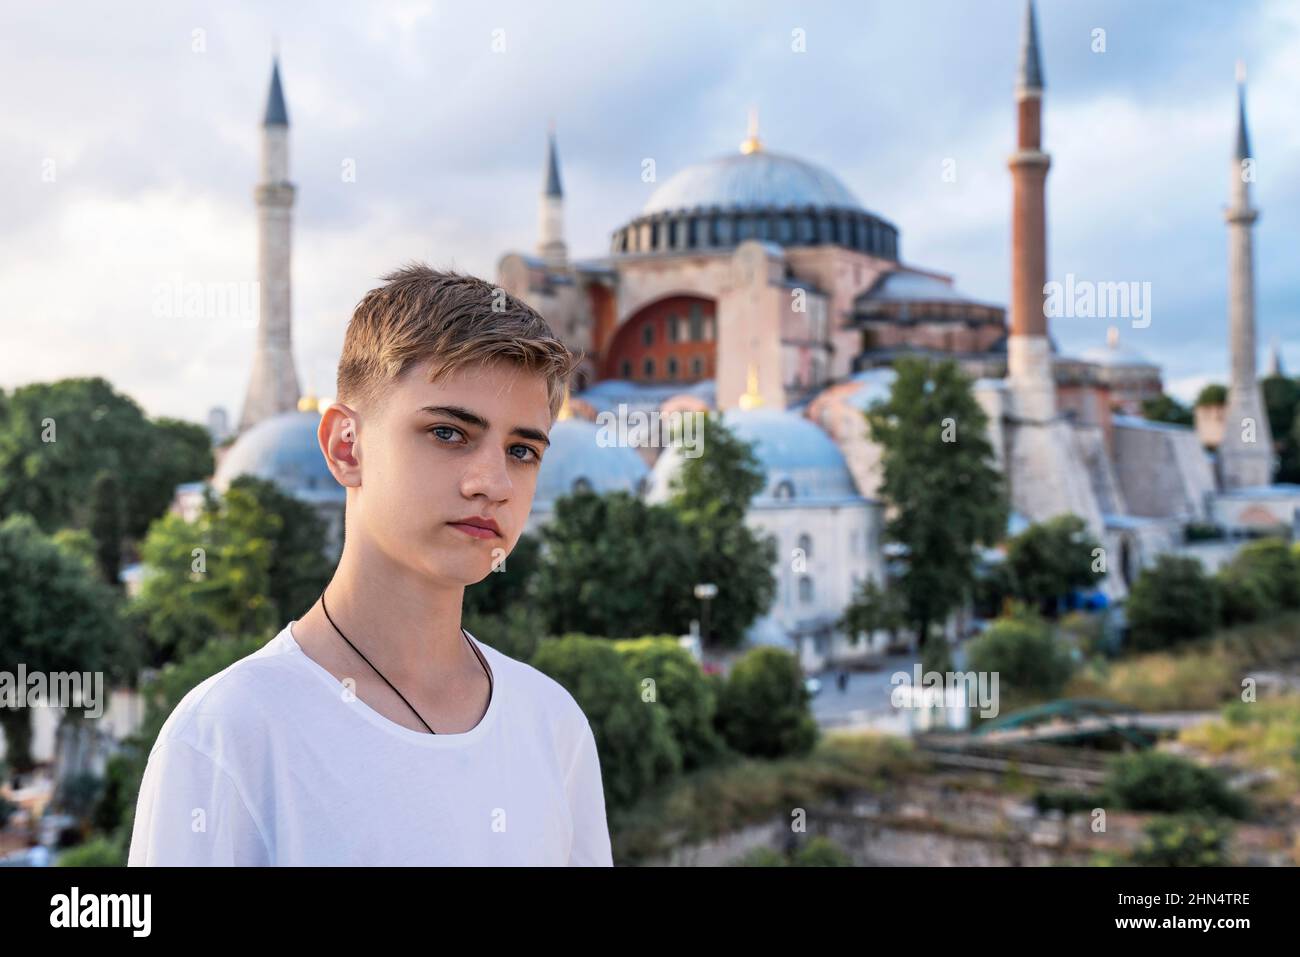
x=828, y=535
x=579, y=458
x=284, y=449
x=755, y=258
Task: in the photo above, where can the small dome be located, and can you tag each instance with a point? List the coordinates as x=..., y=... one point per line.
x=758, y=180
x=1115, y=354
x=283, y=449
x=804, y=465
x=576, y=459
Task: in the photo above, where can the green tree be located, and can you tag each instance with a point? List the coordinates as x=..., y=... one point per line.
x=941, y=481
x=763, y=706
x=667, y=675
x=1262, y=580
x=873, y=608
x=1213, y=394
x=1171, y=601
x=107, y=525
x=1282, y=400
x=1165, y=408
x=1029, y=659
x=55, y=438
x=208, y=578
x=58, y=617
x=633, y=737
x=1050, y=559
x=614, y=566
x=299, y=568
x=711, y=495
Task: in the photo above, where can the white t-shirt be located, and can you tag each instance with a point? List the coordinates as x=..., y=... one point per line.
x=273, y=761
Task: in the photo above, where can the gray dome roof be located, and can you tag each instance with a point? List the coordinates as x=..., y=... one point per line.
x=757, y=180
x=283, y=449
x=804, y=465
x=576, y=457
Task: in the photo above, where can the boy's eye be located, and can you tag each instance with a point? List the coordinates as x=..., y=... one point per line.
x=444, y=428
x=527, y=450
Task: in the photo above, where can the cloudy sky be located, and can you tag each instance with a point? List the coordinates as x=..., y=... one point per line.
x=130, y=149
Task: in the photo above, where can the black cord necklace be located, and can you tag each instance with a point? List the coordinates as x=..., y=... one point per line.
x=477, y=654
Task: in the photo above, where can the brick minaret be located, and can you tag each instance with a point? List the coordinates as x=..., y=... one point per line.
x=273, y=387
x=1029, y=356
x=550, y=241
x=1246, y=452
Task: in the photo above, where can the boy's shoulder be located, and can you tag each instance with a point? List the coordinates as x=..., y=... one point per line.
x=236, y=702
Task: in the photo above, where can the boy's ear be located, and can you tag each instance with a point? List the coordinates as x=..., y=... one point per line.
x=338, y=433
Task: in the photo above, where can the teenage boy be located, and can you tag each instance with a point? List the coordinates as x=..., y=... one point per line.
x=374, y=730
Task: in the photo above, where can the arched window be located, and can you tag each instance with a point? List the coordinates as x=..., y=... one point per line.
x=581, y=484
x=805, y=589
x=805, y=545
x=784, y=489
x=625, y=369
x=672, y=367
x=697, y=367
x=647, y=334
x=648, y=368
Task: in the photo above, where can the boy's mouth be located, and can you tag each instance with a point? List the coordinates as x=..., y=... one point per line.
x=478, y=527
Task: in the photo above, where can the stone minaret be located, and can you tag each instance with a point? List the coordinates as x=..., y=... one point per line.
x=550, y=241
x=1029, y=354
x=273, y=387
x=1246, y=453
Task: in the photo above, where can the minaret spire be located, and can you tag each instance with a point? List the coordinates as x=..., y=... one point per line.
x=273, y=387
x=1029, y=358
x=550, y=216
x=1246, y=452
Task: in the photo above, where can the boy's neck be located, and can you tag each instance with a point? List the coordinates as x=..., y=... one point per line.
x=394, y=616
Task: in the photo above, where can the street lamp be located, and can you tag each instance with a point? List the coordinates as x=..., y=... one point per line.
x=704, y=592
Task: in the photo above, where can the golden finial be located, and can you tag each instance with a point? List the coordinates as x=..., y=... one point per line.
x=752, y=398
x=308, y=403
x=751, y=144
x=1112, y=337
x=565, y=412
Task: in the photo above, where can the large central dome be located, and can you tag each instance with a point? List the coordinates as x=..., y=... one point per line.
x=757, y=180
x=754, y=194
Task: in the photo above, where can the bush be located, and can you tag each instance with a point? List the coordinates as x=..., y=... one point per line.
x=1026, y=655
x=97, y=852
x=1262, y=580
x=820, y=852
x=637, y=750
x=1155, y=781
x=1183, y=841
x=687, y=695
x=1171, y=601
x=763, y=707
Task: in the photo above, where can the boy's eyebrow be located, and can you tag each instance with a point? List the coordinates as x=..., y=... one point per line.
x=476, y=420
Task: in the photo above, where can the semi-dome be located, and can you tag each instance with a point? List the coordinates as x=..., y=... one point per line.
x=576, y=459
x=283, y=449
x=804, y=466
x=758, y=180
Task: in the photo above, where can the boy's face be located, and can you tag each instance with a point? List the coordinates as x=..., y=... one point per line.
x=433, y=456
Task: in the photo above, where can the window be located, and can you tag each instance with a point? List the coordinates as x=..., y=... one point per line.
x=708, y=328
x=672, y=367
x=647, y=334
x=784, y=489
x=805, y=545
x=674, y=332
x=697, y=333
x=697, y=367
x=648, y=368
x=581, y=484
x=805, y=589
x=625, y=369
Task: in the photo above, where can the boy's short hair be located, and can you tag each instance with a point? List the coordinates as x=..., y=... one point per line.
x=449, y=320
